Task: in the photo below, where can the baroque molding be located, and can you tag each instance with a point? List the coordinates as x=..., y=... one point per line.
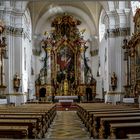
x=94, y=52
x=114, y=93
x=14, y=31
x=112, y=33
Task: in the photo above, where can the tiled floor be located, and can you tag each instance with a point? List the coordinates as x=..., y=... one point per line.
x=67, y=126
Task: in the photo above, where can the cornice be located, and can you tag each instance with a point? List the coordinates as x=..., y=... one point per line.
x=13, y=30
x=118, y=32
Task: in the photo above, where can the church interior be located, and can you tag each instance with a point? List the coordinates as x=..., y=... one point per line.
x=69, y=69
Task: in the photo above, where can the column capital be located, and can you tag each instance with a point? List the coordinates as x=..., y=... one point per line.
x=127, y=11
x=111, y=13
x=111, y=19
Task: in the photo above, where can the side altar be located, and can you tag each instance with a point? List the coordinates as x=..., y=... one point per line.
x=65, y=71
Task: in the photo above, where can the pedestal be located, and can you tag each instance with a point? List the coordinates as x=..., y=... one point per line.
x=2, y=91
x=113, y=97
x=16, y=98
x=129, y=100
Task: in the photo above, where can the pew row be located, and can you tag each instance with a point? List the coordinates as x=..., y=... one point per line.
x=93, y=114
x=36, y=117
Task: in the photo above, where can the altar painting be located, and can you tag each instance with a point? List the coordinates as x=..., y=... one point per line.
x=65, y=68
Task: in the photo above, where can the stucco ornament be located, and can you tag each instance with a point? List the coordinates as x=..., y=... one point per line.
x=137, y=20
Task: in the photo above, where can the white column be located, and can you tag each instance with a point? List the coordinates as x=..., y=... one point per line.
x=124, y=30
x=111, y=54
x=49, y=65
x=82, y=65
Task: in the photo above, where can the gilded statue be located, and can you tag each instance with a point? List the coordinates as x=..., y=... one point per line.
x=1, y=26
x=66, y=86
x=137, y=20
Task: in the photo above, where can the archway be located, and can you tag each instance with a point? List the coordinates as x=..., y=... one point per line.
x=42, y=93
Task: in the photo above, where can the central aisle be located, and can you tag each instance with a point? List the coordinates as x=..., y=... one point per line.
x=67, y=125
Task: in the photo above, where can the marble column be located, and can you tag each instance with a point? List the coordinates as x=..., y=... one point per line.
x=82, y=65
x=49, y=65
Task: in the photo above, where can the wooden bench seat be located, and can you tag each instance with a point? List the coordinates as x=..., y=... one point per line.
x=120, y=130
x=96, y=120
x=43, y=114
x=31, y=123
x=48, y=111
x=46, y=119
x=91, y=115
x=88, y=120
x=41, y=123
x=84, y=113
x=104, y=130
x=133, y=136
x=37, y=117
x=14, y=132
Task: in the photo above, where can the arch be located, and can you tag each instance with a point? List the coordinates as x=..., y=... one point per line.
x=42, y=92
x=70, y=9
x=111, y=5
x=105, y=5
x=101, y=24
x=28, y=21
x=134, y=6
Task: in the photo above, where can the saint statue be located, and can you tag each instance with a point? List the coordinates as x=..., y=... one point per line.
x=66, y=86
x=114, y=81
x=16, y=82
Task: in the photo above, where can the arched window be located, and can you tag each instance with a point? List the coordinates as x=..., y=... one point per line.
x=135, y=5
x=101, y=26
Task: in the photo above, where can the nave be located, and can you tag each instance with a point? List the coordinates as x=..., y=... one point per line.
x=42, y=120
x=67, y=125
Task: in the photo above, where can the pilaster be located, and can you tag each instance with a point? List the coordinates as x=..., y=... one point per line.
x=117, y=29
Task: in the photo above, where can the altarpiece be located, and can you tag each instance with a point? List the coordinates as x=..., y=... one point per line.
x=133, y=47
x=65, y=67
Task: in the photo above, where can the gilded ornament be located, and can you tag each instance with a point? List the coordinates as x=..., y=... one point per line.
x=2, y=27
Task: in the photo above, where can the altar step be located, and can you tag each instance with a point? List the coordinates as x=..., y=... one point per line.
x=66, y=107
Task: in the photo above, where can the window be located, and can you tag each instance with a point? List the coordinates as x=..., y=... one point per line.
x=134, y=6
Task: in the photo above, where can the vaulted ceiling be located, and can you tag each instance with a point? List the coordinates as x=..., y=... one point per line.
x=86, y=10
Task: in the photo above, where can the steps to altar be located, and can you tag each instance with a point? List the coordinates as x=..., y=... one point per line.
x=66, y=103
x=66, y=106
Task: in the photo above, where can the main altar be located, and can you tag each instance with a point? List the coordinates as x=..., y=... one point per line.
x=65, y=71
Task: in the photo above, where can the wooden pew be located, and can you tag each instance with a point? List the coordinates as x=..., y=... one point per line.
x=91, y=115
x=42, y=113
x=96, y=120
x=14, y=132
x=49, y=111
x=106, y=109
x=41, y=128
x=32, y=125
x=46, y=114
x=104, y=130
x=46, y=119
x=88, y=118
x=83, y=111
x=120, y=130
x=133, y=136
